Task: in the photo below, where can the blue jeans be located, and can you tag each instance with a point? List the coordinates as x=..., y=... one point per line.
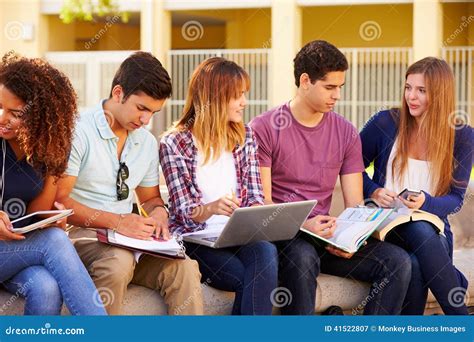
x=385, y=266
x=251, y=271
x=432, y=269
x=45, y=269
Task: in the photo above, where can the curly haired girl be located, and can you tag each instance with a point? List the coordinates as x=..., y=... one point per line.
x=37, y=116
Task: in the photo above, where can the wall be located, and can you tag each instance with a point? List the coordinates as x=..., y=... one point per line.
x=386, y=25
x=92, y=36
x=458, y=24
x=13, y=15
x=239, y=29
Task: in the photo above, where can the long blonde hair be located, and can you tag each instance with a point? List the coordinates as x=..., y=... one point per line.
x=213, y=84
x=435, y=126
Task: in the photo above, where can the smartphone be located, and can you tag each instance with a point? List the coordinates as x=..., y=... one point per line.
x=409, y=192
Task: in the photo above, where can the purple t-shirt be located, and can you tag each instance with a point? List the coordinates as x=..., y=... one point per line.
x=306, y=161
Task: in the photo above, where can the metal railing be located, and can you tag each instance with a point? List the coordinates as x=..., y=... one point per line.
x=374, y=81
x=461, y=60
x=91, y=73
x=182, y=63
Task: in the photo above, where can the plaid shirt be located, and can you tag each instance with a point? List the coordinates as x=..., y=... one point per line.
x=178, y=159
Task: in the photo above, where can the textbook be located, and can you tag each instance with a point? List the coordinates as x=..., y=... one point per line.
x=23, y=224
x=404, y=215
x=354, y=226
x=170, y=249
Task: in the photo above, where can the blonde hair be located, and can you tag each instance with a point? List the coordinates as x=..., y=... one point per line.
x=214, y=83
x=435, y=127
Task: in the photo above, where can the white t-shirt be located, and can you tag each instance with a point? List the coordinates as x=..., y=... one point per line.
x=417, y=175
x=216, y=179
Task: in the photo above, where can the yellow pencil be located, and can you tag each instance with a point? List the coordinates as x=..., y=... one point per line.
x=140, y=208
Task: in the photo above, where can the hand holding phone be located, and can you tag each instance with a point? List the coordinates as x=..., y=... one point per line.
x=412, y=199
x=407, y=193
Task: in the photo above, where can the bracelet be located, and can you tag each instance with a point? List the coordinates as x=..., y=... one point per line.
x=121, y=216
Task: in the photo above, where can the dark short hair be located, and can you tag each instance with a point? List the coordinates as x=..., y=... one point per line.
x=317, y=58
x=142, y=72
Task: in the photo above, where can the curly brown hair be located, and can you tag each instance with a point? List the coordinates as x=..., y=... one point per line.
x=50, y=111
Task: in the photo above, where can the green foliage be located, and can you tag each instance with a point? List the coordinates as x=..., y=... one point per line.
x=85, y=10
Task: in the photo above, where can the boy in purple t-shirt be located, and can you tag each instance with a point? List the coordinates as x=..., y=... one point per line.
x=303, y=147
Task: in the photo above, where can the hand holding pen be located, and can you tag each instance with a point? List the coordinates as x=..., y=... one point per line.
x=160, y=223
x=225, y=205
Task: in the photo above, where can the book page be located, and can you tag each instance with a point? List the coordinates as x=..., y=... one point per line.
x=364, y=214
x=348, y=232
x=354, y=224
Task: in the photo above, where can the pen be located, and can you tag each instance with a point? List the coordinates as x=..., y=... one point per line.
x=140, y=208
x=233, y=195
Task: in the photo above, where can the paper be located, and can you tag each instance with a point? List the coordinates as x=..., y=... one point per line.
x=360, y=214
x=150, y=245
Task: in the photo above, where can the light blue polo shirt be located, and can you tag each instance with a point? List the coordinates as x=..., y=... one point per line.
x=94, y=162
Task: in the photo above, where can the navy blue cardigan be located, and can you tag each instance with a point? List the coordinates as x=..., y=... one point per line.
x=378, y=137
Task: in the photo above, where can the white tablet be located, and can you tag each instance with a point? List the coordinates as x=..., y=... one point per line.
x=22, y=225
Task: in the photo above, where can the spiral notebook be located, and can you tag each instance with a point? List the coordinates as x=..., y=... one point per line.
x=170, y=249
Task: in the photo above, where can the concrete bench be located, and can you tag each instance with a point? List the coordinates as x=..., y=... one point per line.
x=346, y=293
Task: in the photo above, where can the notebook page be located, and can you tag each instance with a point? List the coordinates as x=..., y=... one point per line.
x=151, y=245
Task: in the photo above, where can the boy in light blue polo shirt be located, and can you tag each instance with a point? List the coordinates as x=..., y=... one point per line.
x=112, y=156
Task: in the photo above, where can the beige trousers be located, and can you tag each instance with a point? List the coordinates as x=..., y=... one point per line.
x=113, y=268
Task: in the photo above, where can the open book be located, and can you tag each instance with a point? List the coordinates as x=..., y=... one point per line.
x=404, y=215
x=36, y=220
x=354, y=226
x=172, y=248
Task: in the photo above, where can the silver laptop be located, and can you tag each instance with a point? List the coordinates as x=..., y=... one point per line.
x=272, y=222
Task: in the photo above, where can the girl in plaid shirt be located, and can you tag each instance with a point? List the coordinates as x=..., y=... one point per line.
x=210, y=165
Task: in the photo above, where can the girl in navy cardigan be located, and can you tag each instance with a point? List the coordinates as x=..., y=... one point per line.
x=421, y=146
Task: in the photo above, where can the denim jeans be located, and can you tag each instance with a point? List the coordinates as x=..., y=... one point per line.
x=385, y=266
x=432, y=269
x=251, y=271
x=45, y=269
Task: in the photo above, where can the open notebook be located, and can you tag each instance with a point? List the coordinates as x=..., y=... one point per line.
x=171, y=249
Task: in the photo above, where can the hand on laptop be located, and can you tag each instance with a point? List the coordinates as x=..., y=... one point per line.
x=321, y=225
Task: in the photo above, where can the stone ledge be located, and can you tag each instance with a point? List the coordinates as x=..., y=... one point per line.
x=346, y=293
